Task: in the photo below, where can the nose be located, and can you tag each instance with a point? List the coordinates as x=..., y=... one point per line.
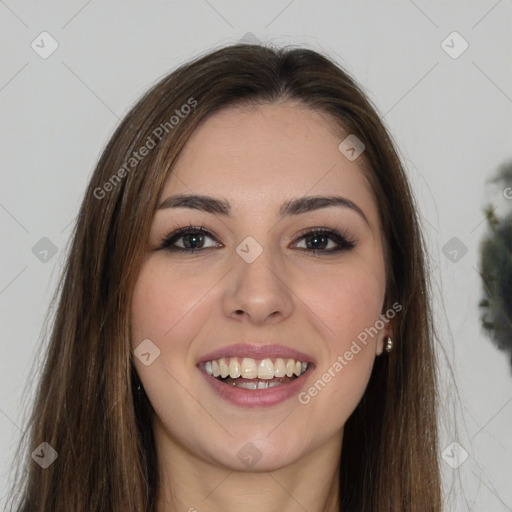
x=258, y=292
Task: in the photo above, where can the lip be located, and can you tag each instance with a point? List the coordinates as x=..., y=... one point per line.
x=257, y=397
x=257, y=352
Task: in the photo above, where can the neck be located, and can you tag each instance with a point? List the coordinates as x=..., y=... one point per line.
x=189, y=483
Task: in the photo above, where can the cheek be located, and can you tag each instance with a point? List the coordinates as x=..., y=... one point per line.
x=348, y=301
x=166, y=310
x=162, y=299
x=163, y=302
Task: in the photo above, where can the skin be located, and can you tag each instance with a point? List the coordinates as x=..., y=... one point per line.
x=191, y=304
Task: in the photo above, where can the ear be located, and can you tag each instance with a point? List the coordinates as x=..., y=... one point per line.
x=386, y=331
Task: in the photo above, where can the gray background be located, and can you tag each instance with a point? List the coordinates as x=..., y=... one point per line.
x=451, y=118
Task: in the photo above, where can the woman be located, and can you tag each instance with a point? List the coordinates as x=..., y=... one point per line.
x=244, y=320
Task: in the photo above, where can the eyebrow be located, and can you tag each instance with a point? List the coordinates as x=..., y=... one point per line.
x=296, y=206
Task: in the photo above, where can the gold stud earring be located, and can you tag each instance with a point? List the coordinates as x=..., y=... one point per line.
x=389, y=344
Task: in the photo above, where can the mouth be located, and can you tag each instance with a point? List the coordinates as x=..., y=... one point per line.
x=255, y=374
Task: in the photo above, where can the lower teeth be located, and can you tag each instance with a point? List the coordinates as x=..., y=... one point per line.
x=256, y=383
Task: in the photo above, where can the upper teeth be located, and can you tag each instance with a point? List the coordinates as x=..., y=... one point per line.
x=254, y=368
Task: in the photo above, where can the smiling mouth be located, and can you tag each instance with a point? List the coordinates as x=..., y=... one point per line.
x=249, y=373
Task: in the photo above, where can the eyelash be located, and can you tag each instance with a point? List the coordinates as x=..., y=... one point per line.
x=345, y=243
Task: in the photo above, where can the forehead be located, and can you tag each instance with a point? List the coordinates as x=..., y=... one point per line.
x=266, y=154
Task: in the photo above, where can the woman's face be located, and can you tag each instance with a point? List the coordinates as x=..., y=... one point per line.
x=274, y=281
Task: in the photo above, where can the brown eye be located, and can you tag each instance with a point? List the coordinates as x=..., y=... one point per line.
x=326, y=241
x=188, y=239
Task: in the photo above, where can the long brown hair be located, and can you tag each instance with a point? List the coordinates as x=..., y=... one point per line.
x=87, y=407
